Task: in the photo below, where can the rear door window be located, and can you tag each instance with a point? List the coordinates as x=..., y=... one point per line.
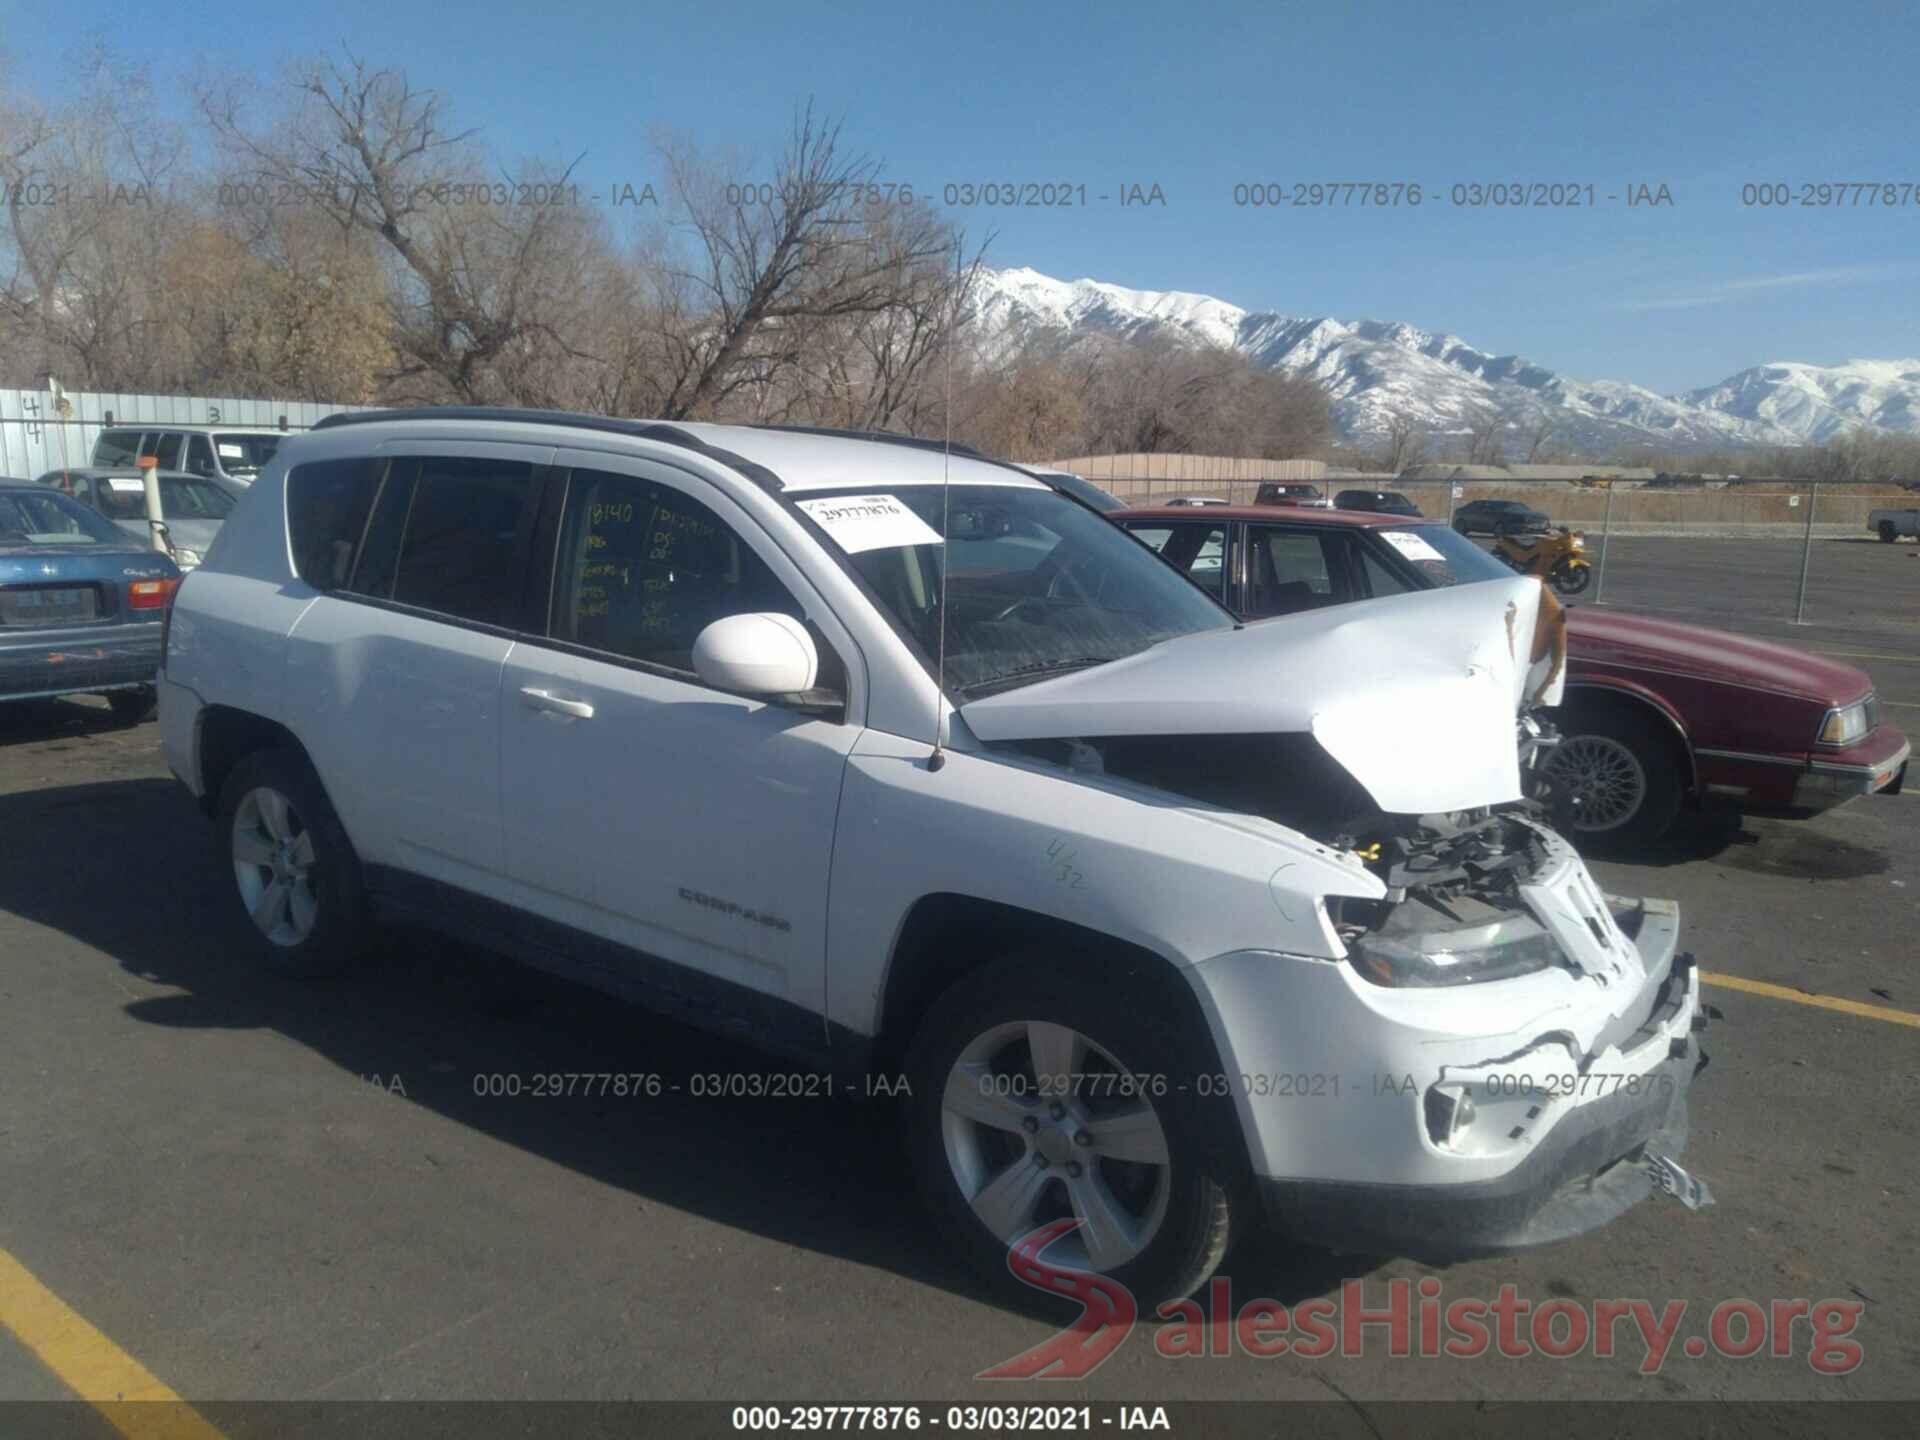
x=164, y=446
x=452, y=535
x=1289, y=570
x=199, y=456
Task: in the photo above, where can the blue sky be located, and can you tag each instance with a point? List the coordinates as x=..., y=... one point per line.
x=1197, y=98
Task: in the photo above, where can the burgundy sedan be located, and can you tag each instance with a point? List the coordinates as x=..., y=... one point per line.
x=1656, y=713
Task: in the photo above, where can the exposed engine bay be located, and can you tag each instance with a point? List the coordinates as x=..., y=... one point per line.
x=1454, y=909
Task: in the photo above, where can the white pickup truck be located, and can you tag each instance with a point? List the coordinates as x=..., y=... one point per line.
x=1890, y=525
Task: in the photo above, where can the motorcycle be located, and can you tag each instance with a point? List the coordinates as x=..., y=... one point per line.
x=1558, y=557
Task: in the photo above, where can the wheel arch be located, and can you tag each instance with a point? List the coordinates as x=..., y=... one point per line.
x=227, y=735
x=1626, y=697
x=946, y=936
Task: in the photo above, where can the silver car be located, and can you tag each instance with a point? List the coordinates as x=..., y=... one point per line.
x=193, y=506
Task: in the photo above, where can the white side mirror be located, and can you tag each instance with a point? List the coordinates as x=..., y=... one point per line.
x=763, y=654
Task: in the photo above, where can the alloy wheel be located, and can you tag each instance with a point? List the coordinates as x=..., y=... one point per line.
x=1040, y=1123
x=1603, y=777
x=273, y=864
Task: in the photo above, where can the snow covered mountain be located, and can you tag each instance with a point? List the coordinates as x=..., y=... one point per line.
x=1375, y=371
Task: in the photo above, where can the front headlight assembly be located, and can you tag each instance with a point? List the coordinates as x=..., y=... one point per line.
x=1466, y=955
x=1847, y=723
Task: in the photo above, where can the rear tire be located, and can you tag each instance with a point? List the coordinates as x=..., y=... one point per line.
x=989, y=1137
x=295, y=874
x=1889, y=532
x=1622, y=775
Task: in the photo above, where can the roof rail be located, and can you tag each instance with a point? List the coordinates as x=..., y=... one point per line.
x=885, y=437
x=646, y=429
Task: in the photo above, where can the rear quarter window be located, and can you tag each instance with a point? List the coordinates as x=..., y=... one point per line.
x=327, y=507
x=116, y=447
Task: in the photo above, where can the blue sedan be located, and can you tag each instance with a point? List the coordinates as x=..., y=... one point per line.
x=81, y=604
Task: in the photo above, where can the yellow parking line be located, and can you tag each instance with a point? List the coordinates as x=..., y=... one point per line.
x=128, y=1396
x=1823, y=1002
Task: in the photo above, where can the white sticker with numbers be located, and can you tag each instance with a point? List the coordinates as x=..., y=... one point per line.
x=1413, y=546
x=870, y=522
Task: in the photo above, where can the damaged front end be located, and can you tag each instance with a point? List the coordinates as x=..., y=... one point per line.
x=1535, y=1034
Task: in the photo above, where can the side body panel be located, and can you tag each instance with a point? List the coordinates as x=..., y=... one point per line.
x=1145, y=867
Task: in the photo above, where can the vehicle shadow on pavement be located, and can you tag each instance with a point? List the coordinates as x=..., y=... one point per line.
x=24, y=722
x=1698, y=834
x=825, y=1174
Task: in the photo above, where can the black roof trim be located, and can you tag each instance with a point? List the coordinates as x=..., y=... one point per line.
x=506, y=414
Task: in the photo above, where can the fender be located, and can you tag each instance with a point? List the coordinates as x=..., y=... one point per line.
x=1164, y=875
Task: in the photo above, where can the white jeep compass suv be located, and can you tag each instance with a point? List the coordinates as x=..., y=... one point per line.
x=901, y=761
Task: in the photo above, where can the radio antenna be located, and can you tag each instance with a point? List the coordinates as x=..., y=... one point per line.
x=939, y=756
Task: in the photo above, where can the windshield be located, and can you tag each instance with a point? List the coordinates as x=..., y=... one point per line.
x=123, y=497
x=51, y=519
x=243, y=453
x=1038, y=586
x=1443, y=556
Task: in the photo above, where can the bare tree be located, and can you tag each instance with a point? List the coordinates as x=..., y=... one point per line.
x=1406, y=443
x=483, y=288
x=90, y=208
x=1486, y=436
x=767, y=275
x=1540, y=436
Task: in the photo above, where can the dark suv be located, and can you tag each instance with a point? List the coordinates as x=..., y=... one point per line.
x=1499, y=517
x=1274, y=493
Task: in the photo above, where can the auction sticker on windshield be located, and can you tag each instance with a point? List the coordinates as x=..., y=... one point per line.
x=870, y=522
x=1411, y=545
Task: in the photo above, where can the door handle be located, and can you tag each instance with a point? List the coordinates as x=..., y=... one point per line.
x=538, y=699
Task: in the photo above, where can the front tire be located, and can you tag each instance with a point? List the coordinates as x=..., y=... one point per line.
x=1571, y=579
x=1620, y=773
x=1034, y=1087
x=295, y=874
x=1889, y=532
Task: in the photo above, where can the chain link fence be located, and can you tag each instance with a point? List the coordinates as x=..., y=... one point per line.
x=1790, y=528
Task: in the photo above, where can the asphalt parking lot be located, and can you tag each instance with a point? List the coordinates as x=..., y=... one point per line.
x=258, y=1189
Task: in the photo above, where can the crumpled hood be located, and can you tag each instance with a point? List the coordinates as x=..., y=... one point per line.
x=1414, y=695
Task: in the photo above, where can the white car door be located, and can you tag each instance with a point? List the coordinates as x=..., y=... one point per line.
x=686, y=824
x=394, y=672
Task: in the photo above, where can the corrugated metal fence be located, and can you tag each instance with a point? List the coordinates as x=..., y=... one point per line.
x=43, y=430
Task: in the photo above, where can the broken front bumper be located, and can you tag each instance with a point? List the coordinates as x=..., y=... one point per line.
x=1573, y=1083
x=1590, y=1168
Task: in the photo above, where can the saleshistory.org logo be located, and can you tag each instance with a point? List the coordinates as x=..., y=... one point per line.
x=1412, y=1321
